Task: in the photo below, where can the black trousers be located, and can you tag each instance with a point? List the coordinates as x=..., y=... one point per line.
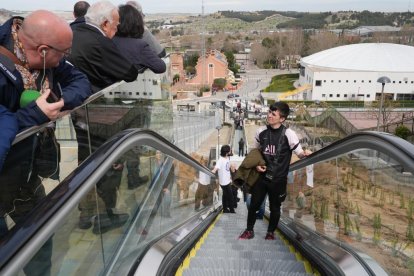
x=227, y=199
x=276, y=190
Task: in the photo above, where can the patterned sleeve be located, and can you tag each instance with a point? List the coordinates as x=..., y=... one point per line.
x=294, y=143
x=256, y=137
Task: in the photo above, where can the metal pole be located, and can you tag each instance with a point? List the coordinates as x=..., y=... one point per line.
x=218, y=144
x=314, y=128
x=380, y=107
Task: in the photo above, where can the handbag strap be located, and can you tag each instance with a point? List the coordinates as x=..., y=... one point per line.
x=10, y=55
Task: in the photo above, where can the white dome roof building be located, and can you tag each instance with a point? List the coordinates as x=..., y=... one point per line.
x=351, y=72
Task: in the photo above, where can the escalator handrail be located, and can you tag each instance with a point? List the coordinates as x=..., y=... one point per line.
x=397, y=148
x=23, y=240
x=32, y=130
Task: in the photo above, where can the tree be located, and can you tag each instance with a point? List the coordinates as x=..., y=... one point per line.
x=190, y=70
x=231, y=62
x=402, y=131
x=209, y=43
x=176, y=78
x=321, y=41
x=386, y=114
x=219, y=83
x=191, y=60
x=259, y=54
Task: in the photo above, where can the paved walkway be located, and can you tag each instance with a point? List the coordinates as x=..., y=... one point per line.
x=211, y=140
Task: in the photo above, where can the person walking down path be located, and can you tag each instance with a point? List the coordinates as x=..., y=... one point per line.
x=241, y=147
x=224, y=175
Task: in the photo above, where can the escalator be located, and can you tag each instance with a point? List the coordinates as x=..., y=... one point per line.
x=352, y=223
x=243, y=257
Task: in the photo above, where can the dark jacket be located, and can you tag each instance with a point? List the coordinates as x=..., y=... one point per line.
x=97, y=56
x=140, y=54
x=247, y=173
x=155, y=46
x=77, y=22
x=9, y=128
x=75, y=85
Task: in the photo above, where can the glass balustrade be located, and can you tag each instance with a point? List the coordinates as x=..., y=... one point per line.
x=141, y=194
x=364, y=199
x=115, y=239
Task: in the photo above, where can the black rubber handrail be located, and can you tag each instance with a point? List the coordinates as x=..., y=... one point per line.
x=395, y=147
x=20, y=236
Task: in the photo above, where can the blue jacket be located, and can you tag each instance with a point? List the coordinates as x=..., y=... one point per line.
x=75, y=86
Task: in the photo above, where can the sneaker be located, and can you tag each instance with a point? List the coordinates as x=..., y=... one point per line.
x=139, y=182
x=270, y=236
x=226, y=211
x=246, y=235
x=108, y=223
x=143, y=179
x=85, y=222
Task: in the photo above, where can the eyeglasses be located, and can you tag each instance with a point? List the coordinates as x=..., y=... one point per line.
x=66, y=52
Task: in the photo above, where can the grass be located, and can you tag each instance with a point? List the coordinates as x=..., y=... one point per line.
x=282, y=83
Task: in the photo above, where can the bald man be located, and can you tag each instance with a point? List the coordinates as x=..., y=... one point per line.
x=30, y=49
x=33, y=47
x=32, y=57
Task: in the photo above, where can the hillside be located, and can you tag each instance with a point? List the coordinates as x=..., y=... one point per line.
x=217, y=22
x=342, y=19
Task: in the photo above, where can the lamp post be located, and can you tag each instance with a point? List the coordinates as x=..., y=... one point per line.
x=317, y=102
x=383, y=80
x=218, y=127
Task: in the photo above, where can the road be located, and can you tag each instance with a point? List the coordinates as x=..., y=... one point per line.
x=253, y=81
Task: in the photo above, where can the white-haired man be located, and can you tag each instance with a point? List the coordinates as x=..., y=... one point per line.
x=95, y=54
x=93, y=51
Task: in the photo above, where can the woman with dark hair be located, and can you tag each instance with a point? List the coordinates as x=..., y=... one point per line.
x=129, y=41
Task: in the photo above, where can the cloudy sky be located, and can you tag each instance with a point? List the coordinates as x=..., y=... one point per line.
x=194, y=6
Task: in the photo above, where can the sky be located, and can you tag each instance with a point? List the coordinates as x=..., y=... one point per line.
x=210, y=6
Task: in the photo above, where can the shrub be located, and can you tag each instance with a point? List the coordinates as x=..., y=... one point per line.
x=219, y=83
x=402, y=131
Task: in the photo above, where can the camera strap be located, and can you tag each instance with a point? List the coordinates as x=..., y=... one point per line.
x=279, y=144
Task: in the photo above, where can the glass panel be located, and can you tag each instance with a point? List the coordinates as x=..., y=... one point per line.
x=364, y=199
x=23, y=186
x=143, y=195
x=168, y=202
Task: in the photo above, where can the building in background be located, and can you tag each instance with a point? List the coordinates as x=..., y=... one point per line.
x=349, y=73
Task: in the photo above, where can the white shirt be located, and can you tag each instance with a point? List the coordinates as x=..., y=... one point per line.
x=223, y=166
x=204, y=179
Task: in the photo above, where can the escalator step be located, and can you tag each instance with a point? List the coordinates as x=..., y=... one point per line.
x=221, y=272
x=236, y=264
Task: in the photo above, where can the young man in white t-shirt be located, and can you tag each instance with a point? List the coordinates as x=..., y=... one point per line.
x=224, y=175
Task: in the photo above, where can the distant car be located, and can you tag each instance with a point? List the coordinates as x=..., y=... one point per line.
x=232, y=95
